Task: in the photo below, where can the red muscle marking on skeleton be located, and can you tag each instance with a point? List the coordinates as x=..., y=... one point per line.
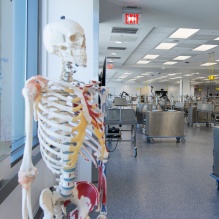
x=92, y=113
x=74, y=214
x=66, y=203
x=88, y=190
x=36, y=84
x=102, y=182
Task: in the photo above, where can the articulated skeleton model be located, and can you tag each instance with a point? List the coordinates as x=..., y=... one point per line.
x=69, y=124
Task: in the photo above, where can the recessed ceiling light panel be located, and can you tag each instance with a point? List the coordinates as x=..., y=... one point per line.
x=183, y=33
x=143, y=62
x=169, y=63
x=204, y=47
x=182, y=57
x=166, y=46
x=127, y=73
x=208, y=64
x=146, y=73
x=150, y=56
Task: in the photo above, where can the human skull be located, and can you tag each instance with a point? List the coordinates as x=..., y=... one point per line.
x=66, y=39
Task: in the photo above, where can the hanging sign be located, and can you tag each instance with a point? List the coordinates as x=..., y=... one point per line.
x=211, y=77
x=131, y=18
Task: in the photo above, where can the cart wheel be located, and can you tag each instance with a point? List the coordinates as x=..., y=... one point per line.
x=207, y=124
x=135, y=152
x=183, y=140
x=148, y=139
x=177, y=139
x=151, y=140
x=188, y=124
x=198, y=125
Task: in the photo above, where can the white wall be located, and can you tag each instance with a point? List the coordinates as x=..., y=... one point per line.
x=86, y=13
x=135, y=89
x=206, y=89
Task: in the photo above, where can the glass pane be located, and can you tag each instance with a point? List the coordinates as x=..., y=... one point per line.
x=6, y=21
x=25, y=53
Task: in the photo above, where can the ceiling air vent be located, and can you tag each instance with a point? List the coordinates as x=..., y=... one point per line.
x=113, y=57
x=125, y=30
x=116, y=48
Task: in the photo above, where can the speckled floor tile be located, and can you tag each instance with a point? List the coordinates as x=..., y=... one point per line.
x=167, y=180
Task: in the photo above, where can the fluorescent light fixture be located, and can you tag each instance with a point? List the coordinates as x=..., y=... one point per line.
x=118, y=79
x=187, y=75
x=200, y=77
x=169, y=63
x=166, y=45
x=113, y=53
x=217, y=60
x=118, y=42
x=139, y=76
x=208, y=64
x=216, y=38
x=182, y=57
x=172, y=74
x=150, y=56
x=183, y=33
x=204, y=47
x=197, y=73
x=133, y=79
x=143, y=62
x=146, y=73
x=127, y=73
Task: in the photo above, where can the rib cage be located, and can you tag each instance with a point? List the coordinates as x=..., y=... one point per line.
x=63, y=130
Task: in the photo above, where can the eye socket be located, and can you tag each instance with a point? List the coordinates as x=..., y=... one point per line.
x=63, y=47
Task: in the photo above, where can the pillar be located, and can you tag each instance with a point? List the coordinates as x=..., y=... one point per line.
x=185, y=88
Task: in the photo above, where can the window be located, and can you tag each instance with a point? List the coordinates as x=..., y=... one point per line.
x=6, y=21
x=25, y=65
x=18, y=62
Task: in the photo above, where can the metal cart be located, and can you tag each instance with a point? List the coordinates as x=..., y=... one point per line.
x=119, y=117
x=195, y=117
x=165, y=125
x=215, y=168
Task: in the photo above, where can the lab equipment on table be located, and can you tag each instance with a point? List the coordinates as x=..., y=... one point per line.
x=117, y=117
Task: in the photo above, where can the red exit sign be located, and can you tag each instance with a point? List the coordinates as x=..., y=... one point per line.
x=132, y=18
